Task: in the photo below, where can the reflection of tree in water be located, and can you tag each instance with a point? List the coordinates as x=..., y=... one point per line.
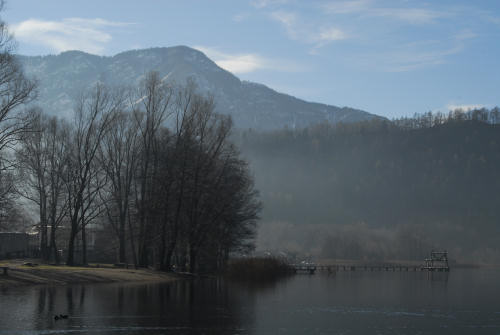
x=198, y=305
x=258, y=286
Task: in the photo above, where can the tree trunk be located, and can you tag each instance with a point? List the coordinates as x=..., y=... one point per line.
x=43, y=241
x=170, y=254
x=43, y=229
x=53, y=245
x=132, y=243
x=122, y=238
x=70, y=261
x=192, y=259
x=143, y=247
x=84, y=245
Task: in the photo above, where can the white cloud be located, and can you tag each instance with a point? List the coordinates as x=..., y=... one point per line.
x=288, y=20
x=307, y=33
x=408, y=60
x=410, y=56
x=347, y=7
x=239, y=17
x=267, y=3
x=453, y=107
x=331, y=34
x=247, y=62
x=368, y=8
x=465, y=35
x=409, y=15
x=68, y=34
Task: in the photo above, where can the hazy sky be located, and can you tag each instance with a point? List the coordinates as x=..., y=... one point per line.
x=391, y=58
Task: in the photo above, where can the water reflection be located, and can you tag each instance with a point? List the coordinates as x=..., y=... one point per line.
x=461, y=302
x=437, y=276
x=196, y=306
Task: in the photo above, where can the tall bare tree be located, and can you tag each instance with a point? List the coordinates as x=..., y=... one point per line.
x=118, y=158
x=41, y=165
x=171, y=180
x=33, y=169
x=15, y=90
x=57, y=151
x=92, y=119
x=152, y=109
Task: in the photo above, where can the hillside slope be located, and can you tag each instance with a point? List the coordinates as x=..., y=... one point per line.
x=64, y=77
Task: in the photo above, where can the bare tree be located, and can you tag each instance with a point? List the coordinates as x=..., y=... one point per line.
x=210, y=142
x=93, y=116
x=41, y=165
x=15, y=90
x=171, y=180
x=57, y=151
x=152, y=105
x=118, y=159
x=33, y=169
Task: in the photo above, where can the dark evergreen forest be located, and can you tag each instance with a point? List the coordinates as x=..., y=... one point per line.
x=400, y=187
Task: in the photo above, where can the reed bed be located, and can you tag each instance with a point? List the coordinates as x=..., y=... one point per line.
x=258, y=269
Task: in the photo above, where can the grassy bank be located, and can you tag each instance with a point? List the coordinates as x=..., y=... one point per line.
x=20, y=274
x=258, y=269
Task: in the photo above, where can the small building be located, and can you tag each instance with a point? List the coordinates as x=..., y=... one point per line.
x=437, y=262
x=14, y=245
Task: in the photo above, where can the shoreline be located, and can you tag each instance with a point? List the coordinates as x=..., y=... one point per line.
x=19, y=274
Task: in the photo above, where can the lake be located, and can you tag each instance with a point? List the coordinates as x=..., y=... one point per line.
x=464, y=301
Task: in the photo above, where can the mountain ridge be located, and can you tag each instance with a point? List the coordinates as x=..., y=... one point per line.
x=64, y=76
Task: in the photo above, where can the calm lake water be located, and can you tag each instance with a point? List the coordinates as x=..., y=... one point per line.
x=461, y=302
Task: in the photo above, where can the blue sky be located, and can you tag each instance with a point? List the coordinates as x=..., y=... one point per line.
x=390, y=58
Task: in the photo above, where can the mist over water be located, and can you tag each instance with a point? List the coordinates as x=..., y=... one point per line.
x=380, y=190
x=459, y=302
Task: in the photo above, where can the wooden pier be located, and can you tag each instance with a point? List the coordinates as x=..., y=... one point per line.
x=312, y=268
x=437, y=262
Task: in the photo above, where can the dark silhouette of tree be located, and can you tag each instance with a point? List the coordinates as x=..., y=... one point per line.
x=84, y=179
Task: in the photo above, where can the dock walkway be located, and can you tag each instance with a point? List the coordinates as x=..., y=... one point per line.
x=312, y=268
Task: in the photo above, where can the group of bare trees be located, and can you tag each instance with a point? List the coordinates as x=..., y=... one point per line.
x=154, y=163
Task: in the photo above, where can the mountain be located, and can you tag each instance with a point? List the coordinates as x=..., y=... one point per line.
x=65, y=76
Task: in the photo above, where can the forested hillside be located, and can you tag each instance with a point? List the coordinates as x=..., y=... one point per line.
x=414, y=183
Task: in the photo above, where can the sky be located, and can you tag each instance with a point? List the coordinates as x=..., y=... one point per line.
x=392, y=58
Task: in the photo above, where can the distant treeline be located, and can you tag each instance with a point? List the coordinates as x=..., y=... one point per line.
x=430, y=119
x=435, y=175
